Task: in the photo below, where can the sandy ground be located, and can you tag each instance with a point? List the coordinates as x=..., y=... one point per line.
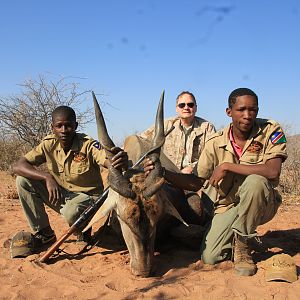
x=103, y=271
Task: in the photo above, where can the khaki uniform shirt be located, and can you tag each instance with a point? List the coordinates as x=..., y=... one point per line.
x=263, y=144
x=76, y=171
x=180, y=151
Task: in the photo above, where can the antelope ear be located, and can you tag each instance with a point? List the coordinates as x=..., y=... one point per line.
x=171, y=210
x=108, y=205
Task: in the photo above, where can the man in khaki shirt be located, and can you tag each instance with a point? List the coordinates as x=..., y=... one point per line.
x=186, y=141
x=73, y=179
x=242, y=164
x=184, y=144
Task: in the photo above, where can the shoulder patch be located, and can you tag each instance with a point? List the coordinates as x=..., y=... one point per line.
x=278, y=137
x=97, y=145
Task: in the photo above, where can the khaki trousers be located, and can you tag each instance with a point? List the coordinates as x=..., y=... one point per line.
x=257, y=204
x=33, y=195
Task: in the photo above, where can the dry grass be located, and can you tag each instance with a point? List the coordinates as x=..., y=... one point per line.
x=290, y=175
x=11, y=149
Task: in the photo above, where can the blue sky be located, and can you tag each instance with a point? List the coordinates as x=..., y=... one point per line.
x=130, y=51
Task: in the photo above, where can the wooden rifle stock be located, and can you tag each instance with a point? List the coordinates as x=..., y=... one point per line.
x=55, y=246
x=77, y=225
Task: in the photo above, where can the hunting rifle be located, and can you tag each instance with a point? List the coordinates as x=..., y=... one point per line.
x=89, y=212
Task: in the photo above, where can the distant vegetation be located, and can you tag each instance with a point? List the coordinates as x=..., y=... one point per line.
x=25, y=119
x=290, y=175
x=27, y=116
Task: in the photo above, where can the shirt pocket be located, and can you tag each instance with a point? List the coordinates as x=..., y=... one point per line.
x=251, y=159
x=196, y=148
x=79, y=167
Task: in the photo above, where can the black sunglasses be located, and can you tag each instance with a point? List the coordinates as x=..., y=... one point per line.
x=182, y=105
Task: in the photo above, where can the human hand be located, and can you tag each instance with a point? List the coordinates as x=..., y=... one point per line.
x=187, y=170
x=120, y=159
x=55, y=195
x=218, y=174
x=148, y=165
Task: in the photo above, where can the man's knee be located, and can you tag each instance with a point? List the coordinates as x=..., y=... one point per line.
x=212, y=257
x=209, y=251
x=255, y=183
x=72, y=211
x=208, y=258
x=26, y=186
x=254, y=188
x=23, y=182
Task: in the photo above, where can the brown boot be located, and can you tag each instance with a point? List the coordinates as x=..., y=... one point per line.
x=243, y=263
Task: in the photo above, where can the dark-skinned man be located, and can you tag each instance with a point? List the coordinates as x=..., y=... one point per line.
x=72, y=181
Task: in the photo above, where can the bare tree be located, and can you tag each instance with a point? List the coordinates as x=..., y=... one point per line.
x=28, y=115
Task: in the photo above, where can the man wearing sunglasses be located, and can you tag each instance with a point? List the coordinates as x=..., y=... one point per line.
x=183, y=146
x=185, y=143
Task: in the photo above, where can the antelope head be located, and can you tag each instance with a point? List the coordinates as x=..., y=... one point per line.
x=139, y=201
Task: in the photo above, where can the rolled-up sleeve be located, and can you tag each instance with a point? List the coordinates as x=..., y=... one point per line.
x=36, y=156
x=205, y=165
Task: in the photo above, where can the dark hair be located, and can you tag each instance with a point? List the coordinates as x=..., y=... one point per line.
x=240, y=92
x=188, y=93
x=64, y=110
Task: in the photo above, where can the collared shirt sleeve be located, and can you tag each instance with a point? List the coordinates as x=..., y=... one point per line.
x=205, y=165
x=276, y=144
x=98, y=153
x=36, y=156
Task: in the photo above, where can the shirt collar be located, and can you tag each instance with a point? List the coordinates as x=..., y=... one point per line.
x=186, y=130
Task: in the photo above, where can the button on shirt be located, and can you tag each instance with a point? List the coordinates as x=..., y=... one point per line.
x=78, y=170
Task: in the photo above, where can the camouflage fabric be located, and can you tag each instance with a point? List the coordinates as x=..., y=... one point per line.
x=181, y=151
